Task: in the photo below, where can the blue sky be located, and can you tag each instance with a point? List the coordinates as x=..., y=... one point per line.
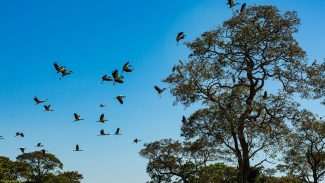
x=93, y=38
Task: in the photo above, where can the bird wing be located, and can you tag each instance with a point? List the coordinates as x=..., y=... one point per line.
x=57, y=67
x=157, y=88
x=102, y=117
x=115, y=74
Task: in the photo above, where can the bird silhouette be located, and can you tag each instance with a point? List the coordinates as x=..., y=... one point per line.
x=106, y=78
x=180, y=36
x=22, y=149
x=43, y=151
x=136, y=141
x=19, y=134
x=159, y=90
x=117, y=132
x=77, y=148
x=102, y=105
x=102, y=118
x=48, y=108
x=127, y=67
x=77, y=117
x=102, y=133
x=265, y=95
x=116, y=77
x=120, y=98
x=1, y=137
x=38, y=101
x=231, y=3
x=184, y=120
x=39, y=145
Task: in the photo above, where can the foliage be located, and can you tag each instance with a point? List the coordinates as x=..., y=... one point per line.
x=306, y=156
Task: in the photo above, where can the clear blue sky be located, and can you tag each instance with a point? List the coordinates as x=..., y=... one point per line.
x=92, y=38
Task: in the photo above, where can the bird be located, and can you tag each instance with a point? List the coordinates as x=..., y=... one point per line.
x=116, y=77
x=43, y=151
x=127, y=67
x=159, y=90
x=38, y=101
x=180, y=36
x=39, y=145
x=265, y=95
x=184, y=120
x=117, y=132
x=77, y=117
x=22, y=149
x=48, y=108
x=1, y=137
x=231, y=3
x=120, y=98
x=77, y=148
x=102, y=118
x=136, y=141
x=106, y=78
x=242, y=9
x=65, y=73
x=58, y=68
x=19, y=134
x=102, y=133
x=102, y=105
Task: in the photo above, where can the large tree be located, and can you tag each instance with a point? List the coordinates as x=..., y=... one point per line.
x=227, y=72
x=306, y=154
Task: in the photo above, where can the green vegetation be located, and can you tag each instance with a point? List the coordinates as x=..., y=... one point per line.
x=35, y=167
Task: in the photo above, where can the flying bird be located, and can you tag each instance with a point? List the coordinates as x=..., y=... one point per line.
x=117, y=132
x=159, y=90
x=242, y=9
x=38, y=101
x=39, y=145
x=77, y=117
x=77, y=148
x=22, y=149
x=120, y=98
x=116, y=77
x=19, y=134
x=102, y=133
x=102, y=105
x=180, y=36
x=1, y=137
x=48, y=108
x=102, y=118
x=136, y=141
x=127, y=67
x=231, y=3
x=106, y=78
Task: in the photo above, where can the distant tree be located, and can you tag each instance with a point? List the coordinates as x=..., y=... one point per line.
x=65, y=177
x=306, y=156
x=227, y=71
x=171, y=160
x=10, y=171
x=41, y=166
